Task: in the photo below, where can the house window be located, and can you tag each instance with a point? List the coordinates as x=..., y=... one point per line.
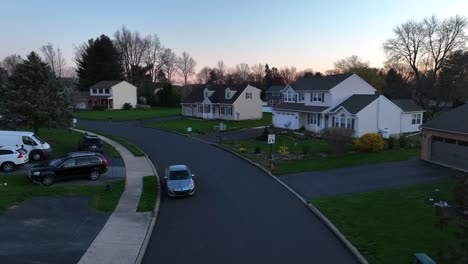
x=207, y=109
x=222, y=110
x=463, y=143
x=228, y=94
x=206, y=94
x=94, y=91
x=301, y=97
x=344, y=122
x=313, y=119
x=200, y=109
x=290, y=97
x=436, y=138
x=317, y=97
x=416, y=119
x=107, y=91
x=248, y=95
x=229, y=110
x=101, y=91
x=450, y=141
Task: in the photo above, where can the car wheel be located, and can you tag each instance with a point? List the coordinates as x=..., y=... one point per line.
x=8, y=166
x=36, y=156
x=48, y=180
x=95, y=175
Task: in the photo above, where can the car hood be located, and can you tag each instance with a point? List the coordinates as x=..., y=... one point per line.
x=179, y=185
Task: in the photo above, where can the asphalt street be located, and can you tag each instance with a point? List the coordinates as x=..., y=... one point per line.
x=238, y=215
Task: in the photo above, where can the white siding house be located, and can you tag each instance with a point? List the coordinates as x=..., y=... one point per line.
x=343, y=100
x=111, y=95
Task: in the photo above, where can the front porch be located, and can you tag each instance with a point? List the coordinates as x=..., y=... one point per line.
x=94, y=101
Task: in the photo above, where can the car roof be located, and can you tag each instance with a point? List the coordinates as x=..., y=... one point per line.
x=21, y=133
x=91, y=136
x=178, y=167
x=82, y=154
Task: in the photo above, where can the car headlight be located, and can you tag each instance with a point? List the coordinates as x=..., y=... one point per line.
x=37, y=173
x=192, y=185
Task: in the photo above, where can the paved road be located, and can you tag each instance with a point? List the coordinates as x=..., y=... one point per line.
x=238, y=215
x=364, y=178
x=43, y=230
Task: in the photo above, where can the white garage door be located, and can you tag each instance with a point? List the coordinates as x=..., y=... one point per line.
x=450, y=152
x=285, y=120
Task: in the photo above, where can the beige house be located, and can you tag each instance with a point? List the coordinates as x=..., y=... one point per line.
x=225, y=102
x=111, y=95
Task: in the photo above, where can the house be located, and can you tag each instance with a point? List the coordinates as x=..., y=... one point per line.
x=445, y=139
x=111, y=95
x=225, y=102
x=274, y=95
x=343, y=100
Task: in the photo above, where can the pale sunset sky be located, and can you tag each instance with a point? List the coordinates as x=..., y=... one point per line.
x=301, y=33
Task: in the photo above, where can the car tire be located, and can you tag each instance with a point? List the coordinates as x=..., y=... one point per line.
x=95, y=175
x=48, y=180
x=36, y=156
x=8, y=166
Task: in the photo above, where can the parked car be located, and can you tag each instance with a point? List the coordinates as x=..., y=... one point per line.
x=179, y=181
x=70, y=166
x=91, y=143
x=37, y=148
x=12, y=157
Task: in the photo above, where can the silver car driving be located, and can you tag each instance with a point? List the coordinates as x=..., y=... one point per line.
x=179, y=181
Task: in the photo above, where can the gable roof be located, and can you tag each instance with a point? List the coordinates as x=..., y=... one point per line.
x=323, y=83
x=407, y=105
x=300, y=107
x=455, y=120
x=218, y=97
x=355, y=103
x=105, y=84
x=275, y=88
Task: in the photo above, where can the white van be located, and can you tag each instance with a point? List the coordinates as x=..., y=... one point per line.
x=36, y=147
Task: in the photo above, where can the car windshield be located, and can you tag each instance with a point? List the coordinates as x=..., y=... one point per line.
x=93, y=140
x=38, y=139
x=56, y=162
x=179, y=175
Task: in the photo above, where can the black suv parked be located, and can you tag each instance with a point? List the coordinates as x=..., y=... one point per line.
x=91, y=143
x=70, y=166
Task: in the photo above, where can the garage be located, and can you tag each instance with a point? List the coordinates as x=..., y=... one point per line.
x=445, y=139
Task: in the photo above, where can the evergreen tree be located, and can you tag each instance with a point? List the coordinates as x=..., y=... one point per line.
x=97, y=61
x=34, y=97
x=167, y=97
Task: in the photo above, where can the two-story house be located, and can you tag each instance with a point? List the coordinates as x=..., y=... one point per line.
x=343, y=100
x=225, y=102
x=111, y=95
x=274, y=94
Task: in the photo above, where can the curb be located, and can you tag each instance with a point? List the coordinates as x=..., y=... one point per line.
x=352, y=249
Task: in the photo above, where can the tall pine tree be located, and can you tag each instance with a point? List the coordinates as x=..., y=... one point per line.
x=98, y=60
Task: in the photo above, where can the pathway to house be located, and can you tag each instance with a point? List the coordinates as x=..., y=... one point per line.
x=122, y=237
x=364, y=178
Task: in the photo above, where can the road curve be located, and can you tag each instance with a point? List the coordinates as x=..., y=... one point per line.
x=238, y=215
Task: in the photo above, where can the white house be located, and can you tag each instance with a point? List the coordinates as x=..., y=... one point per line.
x=225, y=102
x=343, y=100
x=111, y=94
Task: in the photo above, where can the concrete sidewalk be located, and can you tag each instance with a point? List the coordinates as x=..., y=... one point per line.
x=124, y=234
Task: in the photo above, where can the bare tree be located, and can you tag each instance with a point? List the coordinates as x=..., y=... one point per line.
x=186, y=66
x=53, y=57
x=10, y=62
x=169, y=60
x=153, y=55
x=221, y=70
x=204, y=75
x=243, y=71
x=351, y=62
x=289, y=75
x=258, y=71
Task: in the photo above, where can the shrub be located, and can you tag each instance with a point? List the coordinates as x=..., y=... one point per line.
x=257, y=150
x=391, y=143
x=127, y=106
x=143, y=106
x=403, y=142
x=370, y=142
x=242, y=148
x=338, y=138
x=283, y=150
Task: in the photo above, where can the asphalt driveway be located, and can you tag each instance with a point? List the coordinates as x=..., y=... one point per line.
x=364, y=178
x=238, y=215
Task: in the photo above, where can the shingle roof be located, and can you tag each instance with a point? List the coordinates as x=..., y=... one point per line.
x=407, y=105
x=218, y=97
x=105, y=84
x=299, y=107
x=455, y=120
x=275, y=88
x=324, y=83
x=356, y=103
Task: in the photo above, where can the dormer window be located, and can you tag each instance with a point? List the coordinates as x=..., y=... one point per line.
x=228, y=94
x=206, y=94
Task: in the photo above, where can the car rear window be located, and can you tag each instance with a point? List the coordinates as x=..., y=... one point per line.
x=5, y=152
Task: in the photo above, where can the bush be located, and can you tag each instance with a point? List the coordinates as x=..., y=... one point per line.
x=257, y=150
x=283, y=150
x=370, y=142
x=391, y=143
x=264, y=135
x=99, y=107
x=127, y=106
x=338, y=138
x=143, y=106
x=403, y=142
x=242, y=148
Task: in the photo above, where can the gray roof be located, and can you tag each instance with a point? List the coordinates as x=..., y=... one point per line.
x=324, y=83
x=275, y=88
x=407, y=105
x=218, y=97
x=455, y=120
x=299, y=107
x=105, y=84
x=356, y=103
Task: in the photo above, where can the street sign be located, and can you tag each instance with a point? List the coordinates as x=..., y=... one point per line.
x=271, y=138
x=189, y=129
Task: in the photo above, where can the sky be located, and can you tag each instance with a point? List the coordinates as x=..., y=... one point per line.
x=301, y=33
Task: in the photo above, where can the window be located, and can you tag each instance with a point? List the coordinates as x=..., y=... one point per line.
x=317, y=97
x=28, y=141
x=229, y=110
x=228, y=94
x=206, y=94
x=436, y=138
x=69, y=163
x=222, y=110
x=416, y=119
x=450, y=141
x=101, y=91
x=94, y=160
x=82, y=162
x=94, y=91
x=200, y=109
x=301, y=97
x=290, y=97
x=463, y=143
x=248, y=95
x=107, y=91
x=313, y=119
x=343, y=121
x=207, y=109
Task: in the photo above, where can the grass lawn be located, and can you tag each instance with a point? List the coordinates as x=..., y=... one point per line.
x=389, y=226
x=318, y=156
x=64, y=141
x=148, y=195
x=19, y=189
x=126, y=115
x=200, y=126
x=132, y=148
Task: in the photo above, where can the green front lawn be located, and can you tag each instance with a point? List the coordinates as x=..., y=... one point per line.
x=148, y=195
x=201, y=126
x=18, y=189
x=317, y=154
x=126, y=115
x=389, y=226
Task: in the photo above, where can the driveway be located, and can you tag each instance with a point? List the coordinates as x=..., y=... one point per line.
x=45, y=230
x=238, y=215
x=365, y=178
